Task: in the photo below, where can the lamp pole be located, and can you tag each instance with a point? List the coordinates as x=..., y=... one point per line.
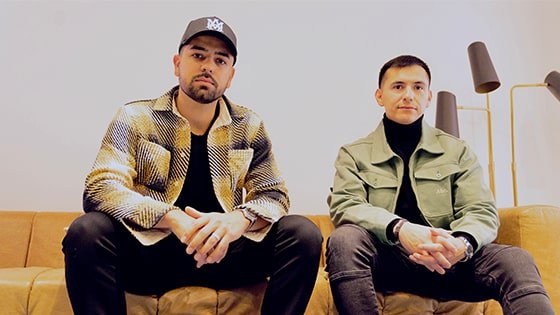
x=512, y=130
x=491, y=178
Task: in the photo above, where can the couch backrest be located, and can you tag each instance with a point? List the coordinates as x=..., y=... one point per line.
x=45, y=244
x=32, y=238
x=15, y=233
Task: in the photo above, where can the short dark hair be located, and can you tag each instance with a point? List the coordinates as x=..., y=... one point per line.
x=401, y=62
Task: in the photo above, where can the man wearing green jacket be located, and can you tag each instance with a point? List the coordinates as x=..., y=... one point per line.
x=413, y=213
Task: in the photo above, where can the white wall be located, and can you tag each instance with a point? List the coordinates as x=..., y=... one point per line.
x=309, y=68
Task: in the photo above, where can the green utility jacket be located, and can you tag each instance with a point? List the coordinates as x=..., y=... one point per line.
x=445, y=174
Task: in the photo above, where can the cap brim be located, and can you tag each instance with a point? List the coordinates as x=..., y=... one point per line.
x=224, y=38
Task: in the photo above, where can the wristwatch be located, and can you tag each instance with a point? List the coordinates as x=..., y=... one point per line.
x=469, y=250
x=397, y=229
x=248, y=215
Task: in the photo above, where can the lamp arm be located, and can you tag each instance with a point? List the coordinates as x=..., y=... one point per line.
x=484, y=109
x=512, y=131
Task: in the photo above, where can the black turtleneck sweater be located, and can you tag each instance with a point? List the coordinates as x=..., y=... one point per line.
x=403, y=140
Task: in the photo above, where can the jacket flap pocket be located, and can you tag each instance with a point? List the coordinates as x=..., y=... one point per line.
x=437, y=172
x=152, y=164
x=239, y=162
x=379, y=180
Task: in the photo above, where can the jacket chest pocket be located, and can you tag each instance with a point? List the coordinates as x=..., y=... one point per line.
x=152, y=164
x=434, y=187
x=239, y=162
x=381, y=188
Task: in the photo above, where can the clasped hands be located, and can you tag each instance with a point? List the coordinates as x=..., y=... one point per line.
x=434, y=248
x=207, y=235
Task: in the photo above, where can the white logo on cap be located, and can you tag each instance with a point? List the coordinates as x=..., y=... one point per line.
x=215, y=25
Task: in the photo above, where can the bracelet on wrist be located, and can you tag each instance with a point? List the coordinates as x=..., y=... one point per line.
x=397, y=229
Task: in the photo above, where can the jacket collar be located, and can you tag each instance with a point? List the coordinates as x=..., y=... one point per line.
x=166, y=102
x=428, y=142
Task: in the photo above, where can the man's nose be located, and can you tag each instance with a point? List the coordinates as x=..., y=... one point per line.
x=409, y=93
x=207, y=66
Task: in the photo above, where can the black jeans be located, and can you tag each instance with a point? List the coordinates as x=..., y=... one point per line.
x=103, y=260
x=356, y=260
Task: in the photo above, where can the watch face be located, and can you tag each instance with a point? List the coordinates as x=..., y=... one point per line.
x=469, y=251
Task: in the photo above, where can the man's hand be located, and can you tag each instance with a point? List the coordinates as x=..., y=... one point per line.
x=435, y=249
x=212, y=233
x=207, y=235
x=442, y=252
x=447, y=246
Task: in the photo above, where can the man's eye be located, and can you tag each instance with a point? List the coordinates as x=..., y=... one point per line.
x=221, y=61
x=397, y=87
x=197, y=56
x=419, y=87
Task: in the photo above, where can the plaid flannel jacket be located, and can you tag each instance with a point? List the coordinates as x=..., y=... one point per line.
x=142, y=163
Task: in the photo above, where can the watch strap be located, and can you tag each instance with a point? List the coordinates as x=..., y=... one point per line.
x=252, y=217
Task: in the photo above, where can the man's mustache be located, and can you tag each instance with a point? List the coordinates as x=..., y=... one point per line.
x=206, y=76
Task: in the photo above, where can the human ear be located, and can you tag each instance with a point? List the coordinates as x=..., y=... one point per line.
x=176, y=62
x=378, y=97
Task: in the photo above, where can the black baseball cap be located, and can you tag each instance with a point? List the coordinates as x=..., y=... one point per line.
x=214, y=26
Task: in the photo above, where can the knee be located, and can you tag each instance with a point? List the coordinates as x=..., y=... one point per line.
x=304, y=233
x=515, y=270
x=520, y=283
x=515, y=258
x=344, y=240
x=88, y=229
x=349, y=248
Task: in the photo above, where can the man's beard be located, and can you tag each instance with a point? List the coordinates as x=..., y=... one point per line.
x=202, y=95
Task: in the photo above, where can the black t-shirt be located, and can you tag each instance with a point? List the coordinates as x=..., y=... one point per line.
x=198, y=191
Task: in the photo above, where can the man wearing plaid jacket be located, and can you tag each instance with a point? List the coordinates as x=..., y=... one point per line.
x=185, y=191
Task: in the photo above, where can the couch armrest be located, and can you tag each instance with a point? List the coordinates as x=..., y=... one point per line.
x=535, y=229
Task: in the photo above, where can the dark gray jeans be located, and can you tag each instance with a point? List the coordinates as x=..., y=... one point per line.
x=356, y=260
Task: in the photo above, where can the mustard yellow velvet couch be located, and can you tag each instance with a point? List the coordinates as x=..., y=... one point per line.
x=32, y=274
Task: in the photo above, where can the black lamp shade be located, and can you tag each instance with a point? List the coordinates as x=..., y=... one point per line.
x=484, y=75
x=553, y=81
x=446, y=113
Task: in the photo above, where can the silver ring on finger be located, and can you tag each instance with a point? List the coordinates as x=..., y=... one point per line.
x=216, y=236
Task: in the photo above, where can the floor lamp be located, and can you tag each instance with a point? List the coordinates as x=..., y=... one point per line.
x=552, y=82
x=485, y=80
x=446, y=120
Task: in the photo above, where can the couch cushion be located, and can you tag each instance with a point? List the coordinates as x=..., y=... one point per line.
x=189, y=301
x=404, y=303
x=243, y=300
x=530, y=227
x=202, y=301
x=15, y=232
x=141, y=304
x=48, y=295
x=321, y=302
x=15, y=285
x=45, y=248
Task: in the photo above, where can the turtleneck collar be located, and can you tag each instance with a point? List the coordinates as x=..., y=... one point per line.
x=402, y=137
